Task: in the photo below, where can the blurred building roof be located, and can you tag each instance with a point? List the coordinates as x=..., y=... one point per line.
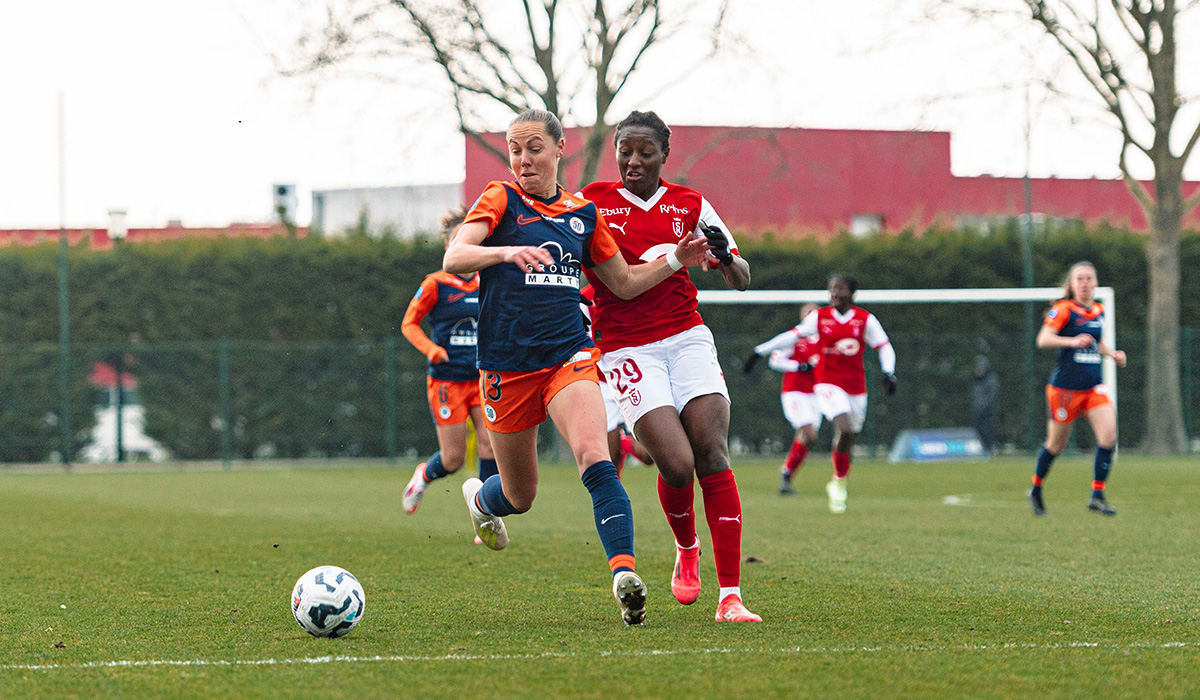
x=798, y=182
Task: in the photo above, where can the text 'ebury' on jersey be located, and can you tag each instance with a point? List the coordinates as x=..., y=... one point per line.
x=529, y=319
x=646, y=230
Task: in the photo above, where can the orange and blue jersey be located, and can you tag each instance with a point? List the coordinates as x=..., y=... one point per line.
x=1077, y=369
x=529, y=319
x=452, y=306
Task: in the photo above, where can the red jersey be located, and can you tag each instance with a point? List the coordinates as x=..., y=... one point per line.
x=646, y=230
x=803, y=352
x=840, y=341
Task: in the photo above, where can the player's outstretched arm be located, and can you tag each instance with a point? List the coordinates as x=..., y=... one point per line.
x=466, y=253
x=781, y=361
x=1048, y=337
x=410, y=327
x=1118, y=356
x=627, y=281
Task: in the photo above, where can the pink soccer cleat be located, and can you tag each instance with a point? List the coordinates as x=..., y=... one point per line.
x=685, y=579
x=415, y=490
x=732, y=610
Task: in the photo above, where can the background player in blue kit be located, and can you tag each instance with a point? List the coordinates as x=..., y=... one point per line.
x=451, y=304
x=1073, y=327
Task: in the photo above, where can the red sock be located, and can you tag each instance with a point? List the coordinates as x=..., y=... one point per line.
x=723, y=510
x=677, y=504
x=841, y=464
x=795, y=457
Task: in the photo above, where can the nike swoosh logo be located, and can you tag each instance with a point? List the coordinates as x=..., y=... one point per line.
x=523, y=220
x=722, y=519
x=580, y=368
x=678, y=515
x=618, y=515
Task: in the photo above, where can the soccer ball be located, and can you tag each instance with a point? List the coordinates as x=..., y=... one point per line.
x=328, y=601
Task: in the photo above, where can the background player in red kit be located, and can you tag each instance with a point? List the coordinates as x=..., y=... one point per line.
x=531, y=241
x=451, y=304
x=842, y=331
x=660, y=358
x=799, y=402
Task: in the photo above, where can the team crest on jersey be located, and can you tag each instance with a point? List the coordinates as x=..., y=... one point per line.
x=577, y=225
x=677, y=227
x=444, y=412
x=635, y=397
x=1061, y=414
x=489, y=413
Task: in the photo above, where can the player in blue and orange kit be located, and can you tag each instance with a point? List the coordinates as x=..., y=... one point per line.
x=530, y=241
x=451, y=303
x=1073, y=327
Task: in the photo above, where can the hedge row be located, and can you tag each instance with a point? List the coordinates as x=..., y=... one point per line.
x=279, y=296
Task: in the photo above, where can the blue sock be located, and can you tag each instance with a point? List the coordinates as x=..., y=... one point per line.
x=491, y=498
x=1044, y=459
x=613, y=513
x=434, y=469
x=1100, y=471
x=487, y=468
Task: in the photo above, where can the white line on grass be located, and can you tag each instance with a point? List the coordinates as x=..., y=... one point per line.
x=577, y=655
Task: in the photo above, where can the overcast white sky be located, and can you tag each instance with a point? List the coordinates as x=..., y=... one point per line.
x=174, y=109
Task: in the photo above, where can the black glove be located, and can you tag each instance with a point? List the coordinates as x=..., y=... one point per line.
x=750, y=362
x=718, y=242
x=889, y=382
x=587, y=318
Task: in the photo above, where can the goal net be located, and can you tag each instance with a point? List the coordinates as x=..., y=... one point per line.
x=939, y=336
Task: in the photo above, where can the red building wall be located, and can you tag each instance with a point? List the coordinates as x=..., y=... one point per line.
x=814, y=181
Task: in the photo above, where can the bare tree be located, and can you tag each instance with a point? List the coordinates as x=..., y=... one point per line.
x=571, y=57
x=1126, y=52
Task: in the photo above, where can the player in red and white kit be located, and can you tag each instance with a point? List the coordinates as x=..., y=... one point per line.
x=660, y=358
x=843, y=331
x=620, y=445
x=799, y=402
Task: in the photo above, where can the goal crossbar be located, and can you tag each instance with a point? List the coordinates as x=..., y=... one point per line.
x=1104, y=295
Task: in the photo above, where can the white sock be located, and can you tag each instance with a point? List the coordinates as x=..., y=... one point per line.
x=726, y=592
x=691, y=546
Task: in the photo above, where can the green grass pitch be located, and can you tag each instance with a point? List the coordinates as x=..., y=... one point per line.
x=937, y=582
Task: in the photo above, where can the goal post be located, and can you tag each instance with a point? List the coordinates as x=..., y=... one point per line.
x=1105, y=295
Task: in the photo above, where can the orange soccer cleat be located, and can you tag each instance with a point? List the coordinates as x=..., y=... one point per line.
x=732, y=610
x=685, y=579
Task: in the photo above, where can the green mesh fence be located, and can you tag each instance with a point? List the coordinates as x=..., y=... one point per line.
x=238, y=400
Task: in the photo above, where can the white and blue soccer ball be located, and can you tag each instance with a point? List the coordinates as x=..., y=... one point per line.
x=328, y=601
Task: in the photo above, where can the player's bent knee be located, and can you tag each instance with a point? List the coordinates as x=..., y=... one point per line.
x=521, y=501
x=676, y=477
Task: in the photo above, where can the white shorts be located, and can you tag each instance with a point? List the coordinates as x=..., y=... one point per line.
x=669, y=372
x=800, y=409
x=834, y=401
x=612, y=412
